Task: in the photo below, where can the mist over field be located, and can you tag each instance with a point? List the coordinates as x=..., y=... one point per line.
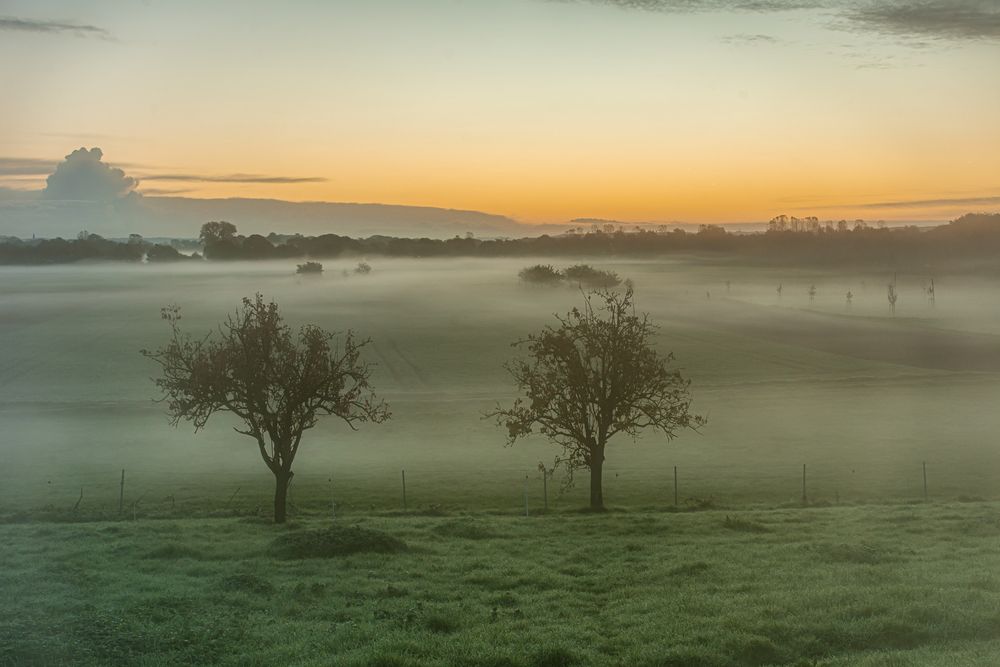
x=860, y=396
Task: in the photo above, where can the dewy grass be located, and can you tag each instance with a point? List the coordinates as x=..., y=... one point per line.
x=830, y=586
x=334, y=541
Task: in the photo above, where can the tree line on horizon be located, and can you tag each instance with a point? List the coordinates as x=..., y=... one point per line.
x=974, y=235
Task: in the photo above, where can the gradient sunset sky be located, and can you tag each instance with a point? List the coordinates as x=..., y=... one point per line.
x=543, y=110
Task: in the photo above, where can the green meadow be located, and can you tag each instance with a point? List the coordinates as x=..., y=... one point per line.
x=180, y=566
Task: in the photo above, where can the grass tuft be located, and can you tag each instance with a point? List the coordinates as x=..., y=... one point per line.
x=335, y=541
x=466, y=529
x=247, y=583
x=555, y=657
x=173, y=552
x=744, y=525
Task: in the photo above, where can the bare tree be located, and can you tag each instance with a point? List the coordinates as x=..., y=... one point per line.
x=277, y=384
x=595, y=375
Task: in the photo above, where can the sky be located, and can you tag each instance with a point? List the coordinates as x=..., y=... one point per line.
x=542, y=110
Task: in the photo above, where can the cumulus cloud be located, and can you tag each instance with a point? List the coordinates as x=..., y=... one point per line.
x=83, y=176
x=52, y=27
x=234, y=178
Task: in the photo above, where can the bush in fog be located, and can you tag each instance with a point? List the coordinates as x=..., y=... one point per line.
x=363, y=268
x=592, y=376
x=310, y=267
x=540, y=274
x=277, y=384
x=587, y=276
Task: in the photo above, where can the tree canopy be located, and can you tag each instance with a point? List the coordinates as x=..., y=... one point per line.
x=594, y=375
x=276, y=383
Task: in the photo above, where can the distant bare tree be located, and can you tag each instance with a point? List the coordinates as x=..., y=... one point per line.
x=893, y=296
x=278, y=385
x=812, y=292
x=594, y=375
x=850, y=298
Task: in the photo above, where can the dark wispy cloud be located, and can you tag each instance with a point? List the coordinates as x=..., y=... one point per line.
x=743, y=38
x=687, y=6
x=922, y=203
x=933, y=19
x=26, y=166
x=165, y=191
x=53, y=27
x=233, y=178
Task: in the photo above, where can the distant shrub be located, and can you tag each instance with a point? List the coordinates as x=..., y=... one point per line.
x=164, y=253
x=587, y=276
x=310, y=267
x=363, y=268
x=540, y=274
x=335, y=541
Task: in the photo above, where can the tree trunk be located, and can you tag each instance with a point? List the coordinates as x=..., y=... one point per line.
x=596, y=490
x=281, y=481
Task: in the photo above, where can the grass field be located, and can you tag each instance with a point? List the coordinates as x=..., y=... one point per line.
x=869, y=574
x=896, y=585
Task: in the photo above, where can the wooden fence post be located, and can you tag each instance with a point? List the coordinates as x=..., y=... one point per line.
x=805, y=500
x=925, y=481
x=404, y=490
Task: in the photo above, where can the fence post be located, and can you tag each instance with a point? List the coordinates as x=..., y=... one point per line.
x=121, y=494
x=525, y=495
x=805, y=500
x=545, y=489
x=404, y=490
x=675, y=486
x=925, y=481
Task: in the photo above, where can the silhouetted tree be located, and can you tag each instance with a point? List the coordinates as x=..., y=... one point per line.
x=591, y=377
x=213, y=232
x=812, y=292
x=363, y=268
x=277, y=384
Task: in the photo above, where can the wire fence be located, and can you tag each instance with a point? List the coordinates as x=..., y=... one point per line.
x=135, y=493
